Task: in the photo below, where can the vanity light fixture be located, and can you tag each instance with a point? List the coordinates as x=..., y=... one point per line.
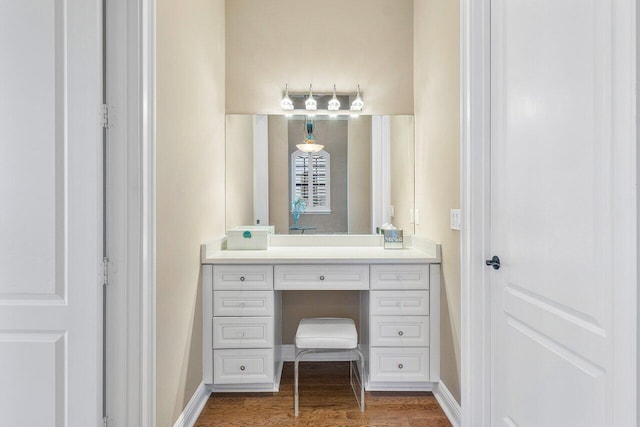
x=357, y=103
x=309, y=145
x=334, y=104
x=310, y=104
x=286, y=103
x=324, y=103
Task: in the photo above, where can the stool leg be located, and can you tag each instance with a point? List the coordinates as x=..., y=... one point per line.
x=361, y=380
x=359, y=371
x=295, y=386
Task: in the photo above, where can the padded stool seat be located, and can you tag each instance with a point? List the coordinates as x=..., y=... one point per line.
x=327, y=332
x=328, y=335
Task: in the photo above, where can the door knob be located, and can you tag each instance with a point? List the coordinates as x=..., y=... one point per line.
x=494, y=262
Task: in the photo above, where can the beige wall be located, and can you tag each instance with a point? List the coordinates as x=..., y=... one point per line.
x=401, y=160
x=437, y=115
x=190, y=186
x=346, y=42
x=297, y=305
x=359, y=158
x=239, y=174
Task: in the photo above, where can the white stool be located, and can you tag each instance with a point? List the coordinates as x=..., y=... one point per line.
x=328, y=334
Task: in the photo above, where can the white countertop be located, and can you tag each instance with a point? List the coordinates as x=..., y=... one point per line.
x=423, y=251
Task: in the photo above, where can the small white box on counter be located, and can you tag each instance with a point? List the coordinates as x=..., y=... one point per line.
x=393, y=239
x=249, y=237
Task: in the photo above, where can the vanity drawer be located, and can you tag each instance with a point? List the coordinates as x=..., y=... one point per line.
x=242, y=277
x=321, y=277
x=243, y=366
x=399, y=303
x=398, y=364
x=243, y=303
x=242, y=332
x=401, y=276
x=400, y=331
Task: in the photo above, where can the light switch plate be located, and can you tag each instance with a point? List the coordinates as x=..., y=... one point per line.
x=456, y=219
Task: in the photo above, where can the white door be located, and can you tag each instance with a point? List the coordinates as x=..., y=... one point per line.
x=50, y=210
x=562, y=195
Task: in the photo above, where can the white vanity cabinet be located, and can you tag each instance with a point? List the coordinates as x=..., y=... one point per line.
x=399, y=314
x=401, y=308
x=239, y=335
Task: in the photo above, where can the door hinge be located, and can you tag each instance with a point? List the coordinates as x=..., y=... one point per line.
x=105, y=116
x=105, y=271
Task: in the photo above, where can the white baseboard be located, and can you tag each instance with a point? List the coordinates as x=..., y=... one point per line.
x=191, y=412
x=448, y=404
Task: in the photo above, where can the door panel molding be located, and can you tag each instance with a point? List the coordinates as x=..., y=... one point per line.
x=556, y=347
x=579, y=319
x=23, y=281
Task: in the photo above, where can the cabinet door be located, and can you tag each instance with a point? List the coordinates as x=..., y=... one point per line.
x=242, y=277
x=322, y=277
x=400, y=276
x=235, y=366
x=398, y=364
x=243, y=303
x=399, y=303
x=242, y=332
x=400, y=331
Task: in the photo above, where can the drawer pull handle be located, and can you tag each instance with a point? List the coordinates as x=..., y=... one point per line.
x=242, y=278
x=321, y=277
x=242, y=368
x=400, y=333
x=400, y=366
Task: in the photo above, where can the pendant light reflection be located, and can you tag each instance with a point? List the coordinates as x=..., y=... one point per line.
x=309, y=145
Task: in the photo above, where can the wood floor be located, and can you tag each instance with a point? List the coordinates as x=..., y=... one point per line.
x=326, y=399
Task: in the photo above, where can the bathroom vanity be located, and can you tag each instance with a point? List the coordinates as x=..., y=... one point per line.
x=399, y=308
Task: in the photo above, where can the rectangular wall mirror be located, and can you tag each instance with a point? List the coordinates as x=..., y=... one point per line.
x=362, y=178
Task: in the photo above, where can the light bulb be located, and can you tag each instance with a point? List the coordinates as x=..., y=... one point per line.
x=357, y=103
x=334, y=104
x=286, y=103
x=310, y=103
